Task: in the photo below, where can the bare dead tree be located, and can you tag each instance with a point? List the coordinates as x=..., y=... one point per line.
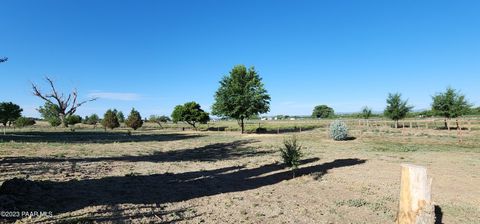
x=67, y=106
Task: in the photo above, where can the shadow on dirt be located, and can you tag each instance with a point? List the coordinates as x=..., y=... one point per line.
x=213, y=152
x=58, y=197
x=93, y=137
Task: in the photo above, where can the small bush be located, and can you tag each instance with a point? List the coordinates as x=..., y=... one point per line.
x=338, y=130
x=291, y=152
x=24, y=121
x=73, y=119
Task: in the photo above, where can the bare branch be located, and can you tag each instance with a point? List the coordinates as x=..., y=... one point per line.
x=36, y=92
x=62, y=103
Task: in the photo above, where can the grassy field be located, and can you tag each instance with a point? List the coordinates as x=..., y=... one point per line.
x=167, y=175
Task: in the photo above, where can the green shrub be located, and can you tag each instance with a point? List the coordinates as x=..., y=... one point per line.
x=338, y=130
x=134, y=120
x=73, y=119
x=110, y=120
x=291, y=152
x=24, y=121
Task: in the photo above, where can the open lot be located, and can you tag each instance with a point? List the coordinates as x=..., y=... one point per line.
x=154, y=176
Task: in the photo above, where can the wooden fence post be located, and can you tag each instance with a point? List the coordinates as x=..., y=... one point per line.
x=415, y=205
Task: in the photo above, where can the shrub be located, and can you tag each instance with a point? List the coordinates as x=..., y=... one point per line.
x=338, y=130
x=291, y=153
x=134, y=120
x=73, y=119
x=93, y=119
x=110, y=120
x=24, y=121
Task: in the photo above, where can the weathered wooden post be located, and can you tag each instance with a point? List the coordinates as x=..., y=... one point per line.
x=416, y=206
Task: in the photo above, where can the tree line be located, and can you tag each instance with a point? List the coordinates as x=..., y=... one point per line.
x=448, y=104
x=240, y=96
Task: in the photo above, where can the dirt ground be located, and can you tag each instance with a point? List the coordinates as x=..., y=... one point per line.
x=224, y=177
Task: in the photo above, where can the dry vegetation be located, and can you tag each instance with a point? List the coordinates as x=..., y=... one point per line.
x=155, y=176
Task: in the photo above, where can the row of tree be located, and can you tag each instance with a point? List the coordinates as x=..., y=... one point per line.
x=241, y=96
x=448, y=104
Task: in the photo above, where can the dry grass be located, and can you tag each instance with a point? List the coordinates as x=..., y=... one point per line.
x=224, y=177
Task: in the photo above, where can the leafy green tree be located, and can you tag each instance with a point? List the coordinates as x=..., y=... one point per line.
x=49, y=113
x=121, y=117
x=9, y=112
x=366, y=112
x=134, y=120
x=241, y=95
x=93, y=120
x=159, y=119
x=190, y=113
x=322, y=111
x=110, y=120
x=396, y=107
x=85, y=120
x=450, y=104
x=24, y=121
x=73, y=119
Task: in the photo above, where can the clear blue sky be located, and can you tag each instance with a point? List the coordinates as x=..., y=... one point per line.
x=153, y=55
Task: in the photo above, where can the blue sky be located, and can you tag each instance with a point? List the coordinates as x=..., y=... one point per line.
x=153, y=55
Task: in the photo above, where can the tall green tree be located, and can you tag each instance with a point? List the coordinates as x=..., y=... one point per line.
x=450, y=104
x=366, y=112
x=396, y=107
x=121, y=117
x=134, y=120
x=241, y=95
x=110, y=120
x=322, y=111
x=49, y=113
x=9, y=112
x=190, y=113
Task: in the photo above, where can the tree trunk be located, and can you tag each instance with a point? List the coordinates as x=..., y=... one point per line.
x=446, y=125
x=242, y=125
x=62, y=120
x=396, y=123
x=415, y=205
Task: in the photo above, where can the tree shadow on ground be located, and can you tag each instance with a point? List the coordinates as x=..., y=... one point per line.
x=59, y=197
x=92, y=137
x=212, y=152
